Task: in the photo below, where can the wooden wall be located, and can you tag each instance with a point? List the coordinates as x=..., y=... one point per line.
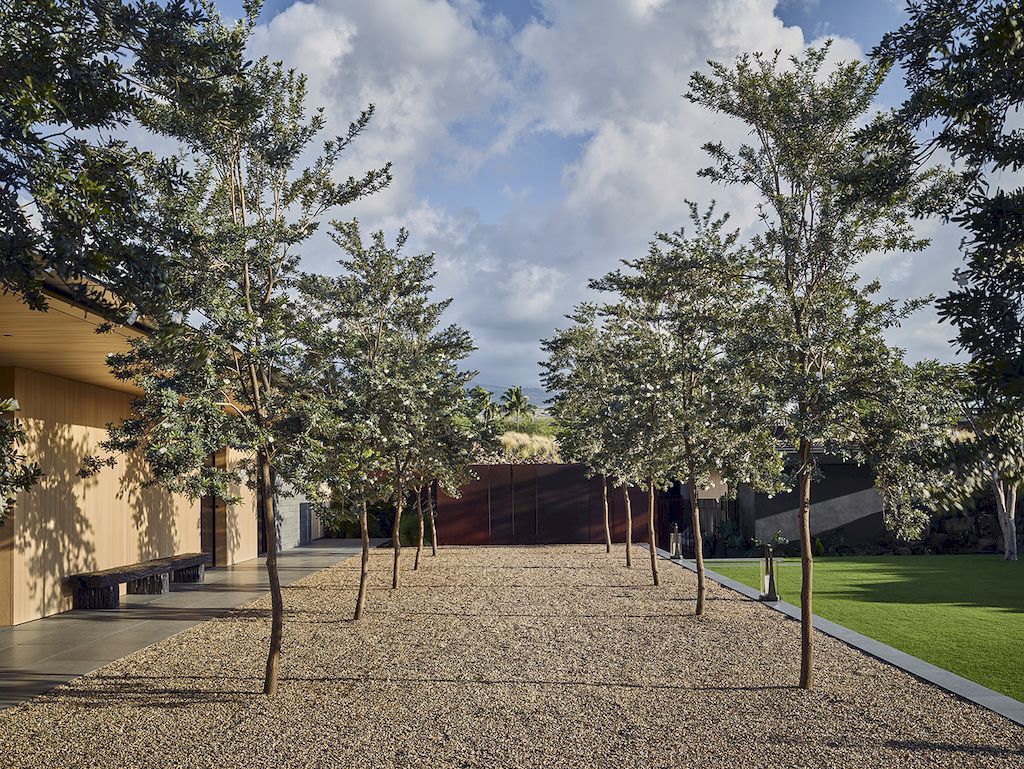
x=67, y=524
x=237, y=526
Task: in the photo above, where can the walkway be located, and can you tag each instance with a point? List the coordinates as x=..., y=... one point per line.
x=36, y=656
x=504, y=657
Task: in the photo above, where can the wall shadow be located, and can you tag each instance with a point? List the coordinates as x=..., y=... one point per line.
x=53, y=534
x=152, y=508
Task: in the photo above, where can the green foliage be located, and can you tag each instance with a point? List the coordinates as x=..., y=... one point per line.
x=813, y=327
x=516, y=406
x=18, y=473
x=728, y=531
x=224, y=380
x=77, y=204
x=385, y=376
x=906, y=444
x=644, y=386
x=963, y=62
x=78, y=207
x=540, y=425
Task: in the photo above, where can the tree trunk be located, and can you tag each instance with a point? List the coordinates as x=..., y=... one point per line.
x=698, y=544
x=629, y=527
x=433, y=524
x=1006, y=510
x=364, y=566
x=652, y=537
x=265, y=492
x=607, y=522
x=807, y=569
x=419, y=542
x=396, y=539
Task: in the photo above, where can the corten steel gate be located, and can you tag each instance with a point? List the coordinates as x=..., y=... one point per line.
x=536, y=505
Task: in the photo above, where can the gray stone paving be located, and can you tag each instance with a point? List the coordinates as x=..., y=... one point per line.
x=36, y=656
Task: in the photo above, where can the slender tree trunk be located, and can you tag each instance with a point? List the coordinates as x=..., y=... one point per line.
x=265, y=492
x=433, y=523
x=364, y=529
x=1011, y=521
x=698, y=544
x=1006, y=511
x=419, y=542
x=629, y=527
x=607, y=522
x=652, y=537
x=807, y=569
x=396, y=539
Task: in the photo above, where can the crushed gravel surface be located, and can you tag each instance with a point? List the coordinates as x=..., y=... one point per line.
x=504, y=657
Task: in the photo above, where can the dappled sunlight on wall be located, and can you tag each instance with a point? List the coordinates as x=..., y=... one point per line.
x=68, y=524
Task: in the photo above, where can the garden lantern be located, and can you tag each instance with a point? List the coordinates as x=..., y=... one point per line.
x=768, y=589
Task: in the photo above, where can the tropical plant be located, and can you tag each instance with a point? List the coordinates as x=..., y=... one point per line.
x=516, y=405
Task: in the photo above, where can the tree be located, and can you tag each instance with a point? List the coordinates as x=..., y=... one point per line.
x=407, y=393
x=76, y=203
x=938, y=446
x=448, y=446
x=906, y=445
x=576, y=372
x=516, y=404
x=829, y=195
x=700, y=284
x=222, y=381
x=963, y=62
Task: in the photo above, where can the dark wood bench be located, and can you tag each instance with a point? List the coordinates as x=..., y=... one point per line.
x=101, y=589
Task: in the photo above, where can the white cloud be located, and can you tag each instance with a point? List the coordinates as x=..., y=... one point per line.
x=456, y=88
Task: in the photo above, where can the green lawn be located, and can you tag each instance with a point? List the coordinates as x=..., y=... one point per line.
x=964, y=613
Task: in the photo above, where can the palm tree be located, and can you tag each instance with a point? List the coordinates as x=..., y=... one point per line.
x=516, y=404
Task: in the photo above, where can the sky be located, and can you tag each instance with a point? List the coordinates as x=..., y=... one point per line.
x=535, y=143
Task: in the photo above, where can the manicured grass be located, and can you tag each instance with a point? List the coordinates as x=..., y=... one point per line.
x=964, y=613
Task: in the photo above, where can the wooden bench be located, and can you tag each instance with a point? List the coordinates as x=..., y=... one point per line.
x=101, y=589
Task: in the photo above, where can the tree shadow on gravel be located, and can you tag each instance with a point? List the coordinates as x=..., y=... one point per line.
x=915, y=746
x=136, y=692
x=539, y=615
x=533, y=682
x=434, y=586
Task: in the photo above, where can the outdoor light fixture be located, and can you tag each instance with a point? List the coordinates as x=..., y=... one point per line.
x=768, y=590
x=675, y=543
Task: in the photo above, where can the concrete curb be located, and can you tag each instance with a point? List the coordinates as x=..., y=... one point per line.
x=944, y=679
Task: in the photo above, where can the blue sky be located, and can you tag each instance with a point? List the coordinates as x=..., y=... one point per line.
x=535, y=144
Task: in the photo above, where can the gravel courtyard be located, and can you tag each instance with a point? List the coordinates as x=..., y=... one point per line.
x=503, y=657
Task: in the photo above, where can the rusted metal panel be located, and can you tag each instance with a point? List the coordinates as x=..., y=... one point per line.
x=466, y=520
x=500, y=501
x=595, y=505
x=563, y=501
x=536, y=504
x=524, y=501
